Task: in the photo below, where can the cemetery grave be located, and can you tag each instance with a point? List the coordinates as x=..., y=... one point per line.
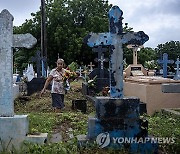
x=116, y=116
x=135, y=69
x=43, y=119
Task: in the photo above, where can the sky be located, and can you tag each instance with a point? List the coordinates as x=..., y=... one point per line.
x=159, y=19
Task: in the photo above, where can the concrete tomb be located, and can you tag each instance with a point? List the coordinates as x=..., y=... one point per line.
x=135, y=69
x=150, y=92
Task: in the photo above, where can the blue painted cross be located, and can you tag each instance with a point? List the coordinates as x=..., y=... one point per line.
x=177, y=76
x=165, y=61
x=114, y=39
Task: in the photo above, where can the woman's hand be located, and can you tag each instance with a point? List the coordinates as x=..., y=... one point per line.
x=42, y=92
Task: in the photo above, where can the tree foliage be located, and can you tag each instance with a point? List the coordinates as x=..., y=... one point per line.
x=68, y=22
x=172, y=48
x=146, y=54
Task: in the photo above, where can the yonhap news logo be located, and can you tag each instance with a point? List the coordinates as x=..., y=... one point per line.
x=104, y=139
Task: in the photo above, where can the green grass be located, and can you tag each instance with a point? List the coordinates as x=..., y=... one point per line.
x=164, y=125
x=42, y=119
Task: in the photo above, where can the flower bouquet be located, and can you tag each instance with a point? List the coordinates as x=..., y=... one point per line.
x=68, y=76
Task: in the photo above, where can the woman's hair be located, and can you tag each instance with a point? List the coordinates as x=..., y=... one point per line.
x=60, y=59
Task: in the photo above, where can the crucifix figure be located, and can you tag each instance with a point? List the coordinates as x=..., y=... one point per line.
x=101, y=68
x=7, y=42
x=177, y=76
x=114, y=39
x=165, y=62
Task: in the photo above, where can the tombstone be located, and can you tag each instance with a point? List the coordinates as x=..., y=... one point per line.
x=165, y=62
x=91, y=67
x=117, y=116
x=79, y=104
x=101, y=73
x=85, y=72
x=80, y=71
x=100, y=50
x=177, y=76
x=101, y=66
x=135, y=69
x=37, y=59
x=30, y=72
x=36, y=84
x=40, y=64
x=13, y=128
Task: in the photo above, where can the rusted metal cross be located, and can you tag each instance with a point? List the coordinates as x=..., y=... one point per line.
x=114, y=39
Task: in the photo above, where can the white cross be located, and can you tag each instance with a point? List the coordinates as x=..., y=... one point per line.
x=91, y=67
x=80, y=71
x=7, y=42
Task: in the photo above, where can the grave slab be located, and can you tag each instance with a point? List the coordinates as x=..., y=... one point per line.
x=39, y=139
x=13, y=131
x=172, y=112
x=171, y=88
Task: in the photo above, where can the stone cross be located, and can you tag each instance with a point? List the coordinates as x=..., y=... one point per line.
x=135, y=49
x=80, y=71
x=177, y=76
x=165, y=62
x=7, y=42
x=91, y=67
x=114, y=39
x=37, y=58
x=102, y=60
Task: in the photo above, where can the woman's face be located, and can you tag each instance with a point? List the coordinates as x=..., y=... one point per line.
x=60, y=64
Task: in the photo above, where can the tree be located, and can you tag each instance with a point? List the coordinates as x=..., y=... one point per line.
x=146, y=54
x=172, y=48
x=68, y=22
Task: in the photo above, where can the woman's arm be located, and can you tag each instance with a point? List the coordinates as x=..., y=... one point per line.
x=49, y=79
